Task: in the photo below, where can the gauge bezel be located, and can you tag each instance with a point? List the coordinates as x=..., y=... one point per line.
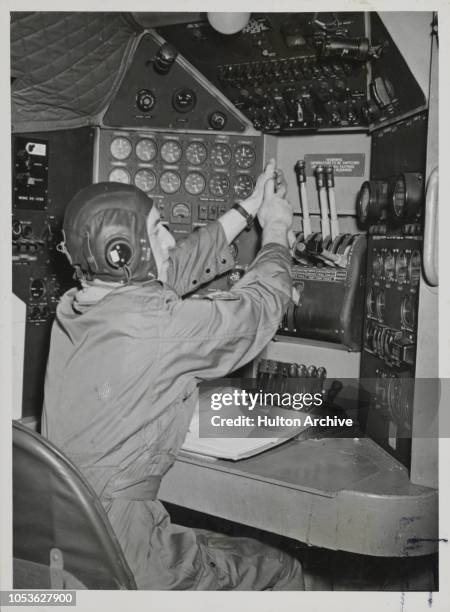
x=165, y=173
x=196, y=144
x=155, y=149
x=389, y=256
x=120, y=169
x=377, y=202
x=409, y=324
x=141, y=171
x=247, y=147
x=222, y=177
x=192, y=103
x=401, y=267
x=123, y=138
x=171, y=142
x=414, y=268
x=250, y=189
x=223, y=146
x=192, y=174
x=412, y=186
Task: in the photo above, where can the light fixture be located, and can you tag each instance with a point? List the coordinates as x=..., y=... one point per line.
x=228, y=23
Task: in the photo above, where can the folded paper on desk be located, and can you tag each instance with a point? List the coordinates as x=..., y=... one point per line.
x=248, y=444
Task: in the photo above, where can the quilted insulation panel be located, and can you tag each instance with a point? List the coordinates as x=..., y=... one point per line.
x=66, y=66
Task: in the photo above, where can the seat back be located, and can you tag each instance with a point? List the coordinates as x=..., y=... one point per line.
x=55, y=507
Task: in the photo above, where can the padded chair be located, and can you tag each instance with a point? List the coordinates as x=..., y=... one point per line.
x=58, y=520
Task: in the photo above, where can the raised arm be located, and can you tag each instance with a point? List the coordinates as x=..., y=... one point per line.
x=212, y=338
x=205, y=254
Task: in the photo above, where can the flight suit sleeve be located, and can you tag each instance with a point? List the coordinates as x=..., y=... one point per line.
x=199, y=258
x=209, y=339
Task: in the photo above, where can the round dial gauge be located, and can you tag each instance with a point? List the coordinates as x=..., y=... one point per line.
x=414, y=268
x=120, y=148
x=181, y=212
x=243, y=186
x=171, y=151
x=407, y=197
x=377, y=265
x=220, y=155
x=196, y=153
x=381, y=300
x=372, y=303
x=119, y=175
x=399, y=196
x=194, y=183
x=219, y=185
x=145, y=179
x=401, y=267
x=370, y=328
x=244, y=156
x=389, y=267
x=170, y=181
x=184, y=100
x=407, y=311
x=146, y=149
x=363, y=202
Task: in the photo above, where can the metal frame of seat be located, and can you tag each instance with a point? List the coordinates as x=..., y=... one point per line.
x=54, y=507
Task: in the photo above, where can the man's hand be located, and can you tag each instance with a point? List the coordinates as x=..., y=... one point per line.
x=270, y=186
x=253, y=203
x=275, y=215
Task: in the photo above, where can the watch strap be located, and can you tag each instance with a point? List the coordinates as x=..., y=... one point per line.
x=247, y=216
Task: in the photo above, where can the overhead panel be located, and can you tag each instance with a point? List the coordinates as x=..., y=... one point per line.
x=162, y=92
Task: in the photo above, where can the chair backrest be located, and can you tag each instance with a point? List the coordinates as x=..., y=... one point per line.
x=55, y=507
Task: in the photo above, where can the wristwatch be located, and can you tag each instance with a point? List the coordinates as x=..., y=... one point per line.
x=247, y=216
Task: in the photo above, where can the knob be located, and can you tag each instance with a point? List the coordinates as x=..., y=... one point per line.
x=217, y=120
x=145, y=100
x=165, y=58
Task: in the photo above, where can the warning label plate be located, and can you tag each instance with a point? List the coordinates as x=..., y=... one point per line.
x=344, y=164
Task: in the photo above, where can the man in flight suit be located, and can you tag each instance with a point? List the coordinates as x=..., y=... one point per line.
x=126, y=356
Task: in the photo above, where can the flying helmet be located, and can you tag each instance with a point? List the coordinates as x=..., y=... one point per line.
x=105, y=233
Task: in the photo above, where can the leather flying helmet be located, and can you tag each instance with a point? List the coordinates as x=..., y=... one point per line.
x=105, y=233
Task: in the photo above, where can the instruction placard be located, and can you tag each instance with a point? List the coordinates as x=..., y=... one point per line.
x=344, y=164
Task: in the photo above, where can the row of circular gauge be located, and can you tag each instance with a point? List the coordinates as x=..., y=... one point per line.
x=376, y=304
x=378, y=200
x=194, y=183
x=195, y=154
x=397, y=266
x=386, y=343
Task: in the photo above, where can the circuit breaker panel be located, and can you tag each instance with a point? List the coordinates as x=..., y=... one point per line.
x=48, y=169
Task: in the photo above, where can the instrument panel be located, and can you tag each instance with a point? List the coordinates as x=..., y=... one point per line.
x=193, y=178
x=286, y=72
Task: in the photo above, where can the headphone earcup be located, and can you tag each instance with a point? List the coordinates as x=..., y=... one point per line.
x=118, y=253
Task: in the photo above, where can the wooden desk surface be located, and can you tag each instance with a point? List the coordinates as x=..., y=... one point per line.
x=337, y=493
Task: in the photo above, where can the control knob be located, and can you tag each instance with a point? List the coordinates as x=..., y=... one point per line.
x=217, y=120
x=145, y=100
